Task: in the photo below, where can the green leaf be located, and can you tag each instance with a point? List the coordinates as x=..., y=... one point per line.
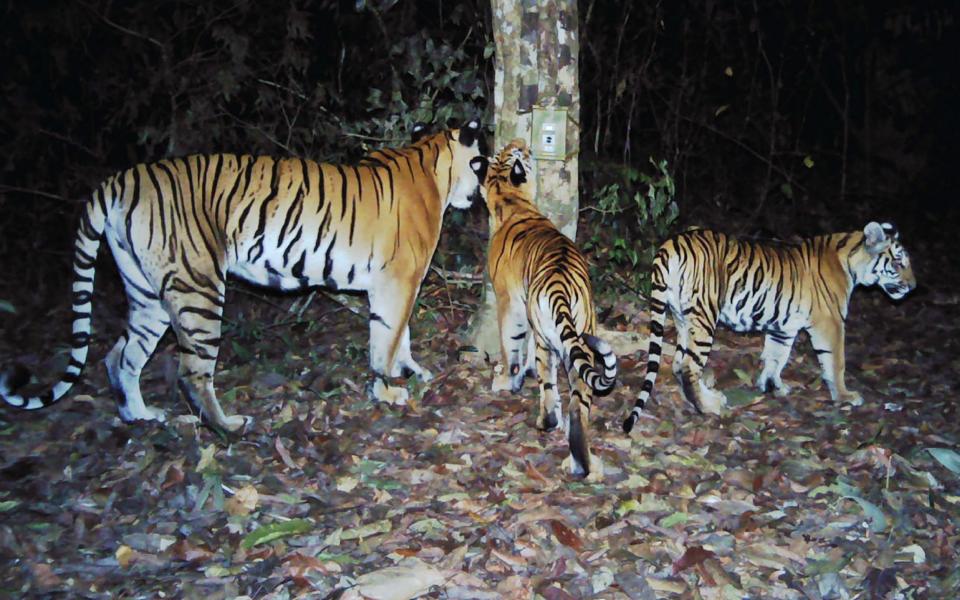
x=275, y=531
x=6, y=306
x=808, y=162
x=787, y=190
x=946, y=457
x=743, y=376
x=367, y=530
x=742, y=396
x=878, y=522
x=677, y=518
x=627, y=506
x=8, y=505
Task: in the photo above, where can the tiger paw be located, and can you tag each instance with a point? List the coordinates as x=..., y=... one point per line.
x=548, y=420
x=768, y=385
x=237, y=423
x=501, y=382
x=596, y=468
x=852, y=398
x=389, y=394
x=146, y=413
x=409, y=369
x=712, y=401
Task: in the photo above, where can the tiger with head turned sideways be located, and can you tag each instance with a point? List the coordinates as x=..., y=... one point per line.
x=178, y=227
x=706, y=278
x=544, y=297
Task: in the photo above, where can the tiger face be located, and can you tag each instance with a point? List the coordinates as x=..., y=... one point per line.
x=507, y=179
x=888, y=263
x=468, y=187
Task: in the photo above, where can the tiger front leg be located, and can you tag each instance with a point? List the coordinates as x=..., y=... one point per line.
x=827, y=340
x=405, y=365
x=514, y=329
x=776, y=353
x=389, y=317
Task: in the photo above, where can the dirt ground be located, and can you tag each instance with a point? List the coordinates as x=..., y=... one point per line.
x=458, y=495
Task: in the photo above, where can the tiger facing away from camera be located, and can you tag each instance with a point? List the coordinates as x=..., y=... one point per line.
x=178, y=227
x=705, y=277
x=544, y=297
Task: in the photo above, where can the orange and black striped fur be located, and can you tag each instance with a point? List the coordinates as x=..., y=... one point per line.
x=178, y=227
x=706, y=278
x=544, y=295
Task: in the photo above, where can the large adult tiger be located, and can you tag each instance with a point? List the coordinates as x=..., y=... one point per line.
x=178, y=227
x=541, y=284
x=778, y=288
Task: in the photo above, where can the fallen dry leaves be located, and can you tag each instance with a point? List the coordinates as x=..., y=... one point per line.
x=463, y=498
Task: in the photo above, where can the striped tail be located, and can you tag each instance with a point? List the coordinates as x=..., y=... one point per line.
x=14, y=377
x=585, y=353
x=658, y=313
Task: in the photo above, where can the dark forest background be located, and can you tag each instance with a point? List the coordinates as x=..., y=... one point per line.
x=775, y=118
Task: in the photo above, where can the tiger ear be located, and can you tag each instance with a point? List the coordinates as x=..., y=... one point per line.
x=891, y=230
x=875, y=237
x=478, y=165
x=419, y=131
x=470, y=132
x=518, y=175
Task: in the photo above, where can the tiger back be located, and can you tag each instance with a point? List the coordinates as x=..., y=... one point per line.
x=706, y=278
x=544, y=304
x=178, y=227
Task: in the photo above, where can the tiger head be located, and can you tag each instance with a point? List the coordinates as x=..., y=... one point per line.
x=508, y=178
x=887, y=263
x=470, y=144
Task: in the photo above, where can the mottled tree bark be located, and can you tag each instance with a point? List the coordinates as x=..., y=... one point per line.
x=537, y=53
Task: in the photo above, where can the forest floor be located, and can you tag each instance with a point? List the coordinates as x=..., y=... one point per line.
x=458, y=495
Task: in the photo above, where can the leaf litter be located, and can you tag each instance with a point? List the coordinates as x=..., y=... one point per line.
x=458, y=495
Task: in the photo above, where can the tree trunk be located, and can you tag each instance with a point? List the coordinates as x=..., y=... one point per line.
x=537, y=54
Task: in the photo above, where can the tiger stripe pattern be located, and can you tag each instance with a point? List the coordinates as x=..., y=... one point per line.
x=178, y=227
x=544, y=301
x=705, y=278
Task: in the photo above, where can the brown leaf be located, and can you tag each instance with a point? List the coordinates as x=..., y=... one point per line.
x=693, y=556
x=533, y=473
x=243, y=502
x=284, y=454
x=298, y=565
x=566, y=535
x=45, y=576
x=555, y=593
x=187, y=552
x=174, y=476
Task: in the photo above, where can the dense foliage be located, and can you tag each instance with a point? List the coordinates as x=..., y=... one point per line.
x=778, y=117
x=776, y=109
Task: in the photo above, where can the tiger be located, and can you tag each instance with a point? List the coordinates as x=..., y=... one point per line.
x=178, y=227
x=779, y=288
x=543, y=297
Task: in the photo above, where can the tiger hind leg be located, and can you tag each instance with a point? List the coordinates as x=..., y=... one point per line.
x=693, y=350
x=146, y=324
x=514, y=329
x=549, y=415
x=196, y=314
x=776, y=352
